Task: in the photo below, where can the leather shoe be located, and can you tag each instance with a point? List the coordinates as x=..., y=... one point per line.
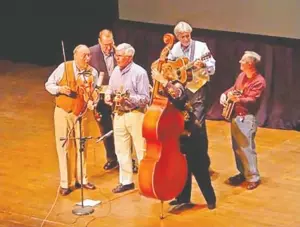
x=176, y=202
x=236, y=180
x=111, y=165
x=123, y=187
x=88, y=186
x=252, y=185
x=65, y=191
x=211, y=206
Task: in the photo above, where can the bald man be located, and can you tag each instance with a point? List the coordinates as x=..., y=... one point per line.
x=246, y=93
x=62, y=84
x=103, y=60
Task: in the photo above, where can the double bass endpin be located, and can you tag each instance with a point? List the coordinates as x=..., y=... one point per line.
x=162, y=210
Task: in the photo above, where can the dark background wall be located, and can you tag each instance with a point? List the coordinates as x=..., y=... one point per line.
x=280, y=66
x=32, y=30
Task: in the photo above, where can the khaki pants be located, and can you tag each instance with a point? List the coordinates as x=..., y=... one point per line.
x=69, y=154
x=127, y=130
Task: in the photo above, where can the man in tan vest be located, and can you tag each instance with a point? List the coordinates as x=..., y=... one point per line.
x=67, y=122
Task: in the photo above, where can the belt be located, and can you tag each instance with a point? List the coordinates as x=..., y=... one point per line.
x=131, y=110
x=240, y=113
x=242, y=116
x=127, y=111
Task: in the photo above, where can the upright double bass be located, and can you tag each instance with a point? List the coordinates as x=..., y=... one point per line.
x=163, y=170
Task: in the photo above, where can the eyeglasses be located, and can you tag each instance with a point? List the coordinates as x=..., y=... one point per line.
x=107, y=45
x=182, y=36
x=121, y=56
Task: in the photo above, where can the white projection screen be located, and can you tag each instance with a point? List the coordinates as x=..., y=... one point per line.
x=279, y=18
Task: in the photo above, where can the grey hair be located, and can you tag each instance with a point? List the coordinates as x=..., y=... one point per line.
x=79, y=47
x=182, y=27
x=253, y=56
x=127, y=48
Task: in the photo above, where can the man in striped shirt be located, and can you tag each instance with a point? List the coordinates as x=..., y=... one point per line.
x=128, y=91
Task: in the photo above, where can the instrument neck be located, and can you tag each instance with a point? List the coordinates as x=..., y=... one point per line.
x=155, y=92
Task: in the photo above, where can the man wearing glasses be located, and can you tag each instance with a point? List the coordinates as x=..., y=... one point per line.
x=130, y=79
x=103, y=60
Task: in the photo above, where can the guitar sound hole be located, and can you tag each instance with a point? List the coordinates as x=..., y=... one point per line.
x=179, y=74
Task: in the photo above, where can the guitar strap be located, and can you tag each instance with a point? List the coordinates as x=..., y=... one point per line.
x=192, y=55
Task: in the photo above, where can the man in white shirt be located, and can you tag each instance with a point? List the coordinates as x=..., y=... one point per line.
x=62, y=84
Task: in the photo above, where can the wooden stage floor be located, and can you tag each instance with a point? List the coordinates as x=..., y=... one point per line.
x=29, y=175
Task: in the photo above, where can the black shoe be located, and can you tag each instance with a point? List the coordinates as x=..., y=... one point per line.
x=122, y=188
x=88, y=186
x=111, y=165
x=65, y=191
x=236, y=180
x=211, y=206
x=182, y=207
x=176, y=202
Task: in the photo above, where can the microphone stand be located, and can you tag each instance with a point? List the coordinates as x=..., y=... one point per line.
x=81, y=210
x=84, y=210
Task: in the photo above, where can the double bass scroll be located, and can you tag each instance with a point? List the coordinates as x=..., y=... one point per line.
x=158, y=65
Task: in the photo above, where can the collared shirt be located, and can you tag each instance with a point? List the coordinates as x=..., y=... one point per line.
x=252, y=90
x=201, y=50
x=109, y=61
x=56, y=76
x=134, y=79
x=187, y=51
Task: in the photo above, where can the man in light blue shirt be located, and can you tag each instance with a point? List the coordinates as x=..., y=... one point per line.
x=131, y=79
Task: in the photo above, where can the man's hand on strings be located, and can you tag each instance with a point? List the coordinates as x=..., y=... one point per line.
x=199, y=64
x=233, y=97
x=107, y=100
x=223, y=99
x=158, y=77
x=120, y=99
x=90, y=105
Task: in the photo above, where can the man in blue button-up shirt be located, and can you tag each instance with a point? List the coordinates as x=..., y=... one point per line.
x=130, y=78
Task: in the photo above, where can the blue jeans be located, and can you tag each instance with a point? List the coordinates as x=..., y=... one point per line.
x=243, y=131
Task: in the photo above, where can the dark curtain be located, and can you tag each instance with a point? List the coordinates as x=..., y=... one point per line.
x=280, y=108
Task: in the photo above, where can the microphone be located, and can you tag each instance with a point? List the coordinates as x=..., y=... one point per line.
x=105, y=136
